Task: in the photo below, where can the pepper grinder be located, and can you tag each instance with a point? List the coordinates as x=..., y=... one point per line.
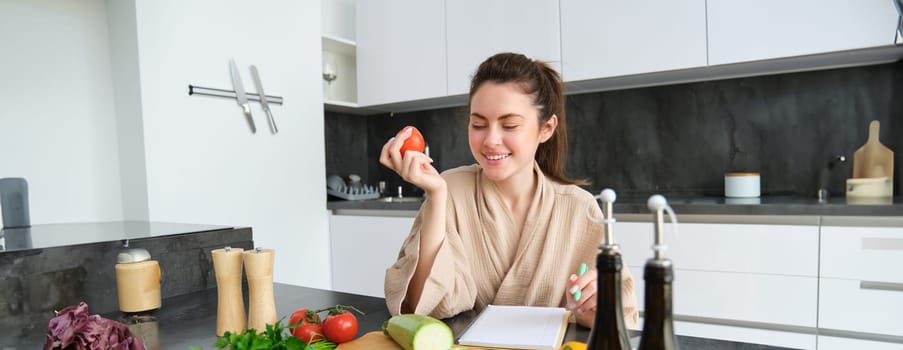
x=261, y=303
x=230, y=305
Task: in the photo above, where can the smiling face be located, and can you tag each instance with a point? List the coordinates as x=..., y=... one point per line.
x=504, y=131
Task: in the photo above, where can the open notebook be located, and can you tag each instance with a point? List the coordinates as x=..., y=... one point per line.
x=518, y=327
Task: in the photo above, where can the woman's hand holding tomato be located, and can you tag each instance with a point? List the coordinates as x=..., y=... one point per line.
x=404, y=155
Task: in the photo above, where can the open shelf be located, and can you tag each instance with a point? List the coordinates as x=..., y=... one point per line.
x=339, y=56
x=339, y=45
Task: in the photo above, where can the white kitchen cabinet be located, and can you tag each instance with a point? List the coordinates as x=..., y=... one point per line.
x=478, y=29
x=731, y=278
x=861, y=285
x=862, y=253
x=848, y=305
x=724, y=296
x=838, y=343
x=400, y=50
x=790, y=250
x=607, y=38
x=782, y=339
x=362, y=248
x=741, y=31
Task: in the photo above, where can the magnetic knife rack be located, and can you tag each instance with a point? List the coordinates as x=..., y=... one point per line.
x=230, y=94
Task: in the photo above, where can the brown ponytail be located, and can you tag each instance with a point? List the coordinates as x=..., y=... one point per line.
x=544, y=84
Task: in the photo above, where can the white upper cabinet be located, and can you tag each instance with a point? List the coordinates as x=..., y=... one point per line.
x=741, y=31
x=478, y=29
x=400, y=50
x=419, y=54
x=608, y=38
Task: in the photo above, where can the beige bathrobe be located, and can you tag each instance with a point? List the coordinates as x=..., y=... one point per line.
x=484, y=261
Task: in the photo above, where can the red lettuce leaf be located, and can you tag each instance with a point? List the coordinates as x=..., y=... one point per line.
x=74, y=329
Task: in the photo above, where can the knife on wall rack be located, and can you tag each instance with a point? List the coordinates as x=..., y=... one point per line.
x=898, y=35
x=263, y=100
x=240, y=95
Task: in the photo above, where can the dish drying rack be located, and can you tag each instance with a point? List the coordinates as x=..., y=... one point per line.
x=354, y=193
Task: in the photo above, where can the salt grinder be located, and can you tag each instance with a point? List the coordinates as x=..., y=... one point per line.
x=261, y=303
x=230, y=305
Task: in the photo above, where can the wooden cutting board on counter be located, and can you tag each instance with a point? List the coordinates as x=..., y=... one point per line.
x=379, y=341
x=370, y=341
x=873, y=159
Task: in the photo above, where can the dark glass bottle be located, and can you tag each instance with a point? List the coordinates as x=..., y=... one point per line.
x=658, y=322
x=609, y=332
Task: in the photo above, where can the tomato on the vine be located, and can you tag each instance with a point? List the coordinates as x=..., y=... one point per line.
x=340, y=327
x=305, y=325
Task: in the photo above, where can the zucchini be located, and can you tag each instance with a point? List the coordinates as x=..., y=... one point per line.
x=419, y=332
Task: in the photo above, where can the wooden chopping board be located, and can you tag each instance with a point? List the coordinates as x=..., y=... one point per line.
x=873, y=159
x=379, y=341
x=370, y=341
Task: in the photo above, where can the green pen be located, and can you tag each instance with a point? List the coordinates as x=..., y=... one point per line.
x=579, y=292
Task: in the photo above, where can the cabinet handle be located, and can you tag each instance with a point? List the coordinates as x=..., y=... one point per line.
x=896, y=287
x=881, y=243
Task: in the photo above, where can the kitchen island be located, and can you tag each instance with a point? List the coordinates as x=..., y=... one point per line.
x=190, y=320
x=46, y=267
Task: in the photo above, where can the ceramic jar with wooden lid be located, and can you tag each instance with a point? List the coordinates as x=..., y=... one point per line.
x=742, y=185
x=137, y=281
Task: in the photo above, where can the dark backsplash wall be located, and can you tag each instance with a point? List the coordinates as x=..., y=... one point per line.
x=677, y=139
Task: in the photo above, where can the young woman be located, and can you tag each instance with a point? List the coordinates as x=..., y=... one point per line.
x=511, y=229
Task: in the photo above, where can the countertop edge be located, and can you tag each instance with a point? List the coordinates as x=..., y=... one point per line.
x=803, y=220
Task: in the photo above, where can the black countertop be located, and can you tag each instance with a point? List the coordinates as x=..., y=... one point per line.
x=702, y=204
x=70, y=234
x=190, y=320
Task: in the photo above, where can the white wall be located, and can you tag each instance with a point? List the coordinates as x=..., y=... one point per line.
x=57, y=122
x=203, y=164
x=99, y=121
x=124, y=59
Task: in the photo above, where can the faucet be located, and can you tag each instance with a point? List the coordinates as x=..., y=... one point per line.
x=824, y=177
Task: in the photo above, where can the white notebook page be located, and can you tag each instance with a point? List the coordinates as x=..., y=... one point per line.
x=519, y=327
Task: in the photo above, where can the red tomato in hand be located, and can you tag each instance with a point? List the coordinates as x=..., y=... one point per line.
x=340, y=328
x=414, y=142
x=307, y=325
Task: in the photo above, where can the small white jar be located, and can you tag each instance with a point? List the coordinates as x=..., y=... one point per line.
x=742, y=185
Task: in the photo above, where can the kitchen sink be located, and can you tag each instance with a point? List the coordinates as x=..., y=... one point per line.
x=401, y=200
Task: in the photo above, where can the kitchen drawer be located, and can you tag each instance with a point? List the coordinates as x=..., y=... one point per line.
x=767, y=249
x=837, y=343
x=362, y=248
x=846, y=305
x=723, y=296
x=783, y=339
x=862, y=253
